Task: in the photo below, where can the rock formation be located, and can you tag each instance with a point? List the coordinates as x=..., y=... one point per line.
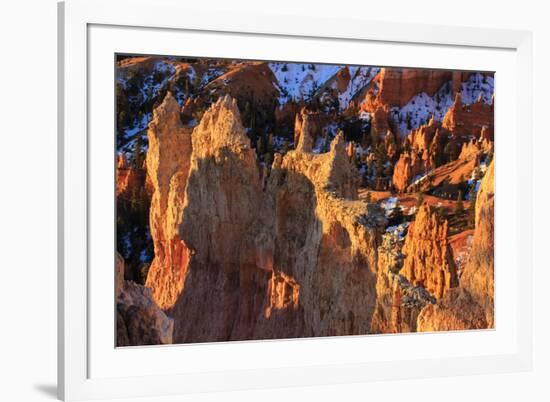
x=398, y=302
x=315, y=122
x=128, y=177
x=398, y=85
x=247, y=82
x=168, y=160
x=457, y=311
x=409, y=165
x=478, y=277
x=269, y=245
x=343, y=78
x=421, y=139
x=381, y=123
x=296, y=259
x=223, y=204
x=139, y=320
x=325, y=240
x=470, y=120
x=475, y=148
x=470, y=306
x=429, y=262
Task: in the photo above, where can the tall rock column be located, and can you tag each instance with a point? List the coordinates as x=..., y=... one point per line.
x=429, y=260
x=478, y=275
x=168, y=160
x=325, y=246
x=222, y=293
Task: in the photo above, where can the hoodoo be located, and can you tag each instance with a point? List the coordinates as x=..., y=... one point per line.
x=265, y=200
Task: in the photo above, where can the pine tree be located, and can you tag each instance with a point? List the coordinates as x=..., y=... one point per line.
x=138, y=153
x=380, y=159
x=449, y=152
x=260, y=145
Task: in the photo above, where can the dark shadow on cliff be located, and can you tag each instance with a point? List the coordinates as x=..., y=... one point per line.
x=260, y=266
x=234, y=250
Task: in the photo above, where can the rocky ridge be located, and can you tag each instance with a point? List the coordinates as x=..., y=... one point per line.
x=270, y=245
x=296, y=259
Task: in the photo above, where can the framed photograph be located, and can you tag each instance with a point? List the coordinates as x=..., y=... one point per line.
x=250, y=201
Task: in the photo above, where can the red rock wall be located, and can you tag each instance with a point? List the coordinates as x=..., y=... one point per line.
x=398, y=85
x=470, y=120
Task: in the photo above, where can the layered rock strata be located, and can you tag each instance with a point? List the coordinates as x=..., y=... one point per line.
x=470, y=120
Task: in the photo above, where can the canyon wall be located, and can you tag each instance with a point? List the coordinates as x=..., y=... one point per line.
x=238, y=260
x=470, y=120
x=239, y=256
x=399, y=85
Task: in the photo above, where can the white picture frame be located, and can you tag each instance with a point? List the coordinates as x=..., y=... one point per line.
x=77, y=326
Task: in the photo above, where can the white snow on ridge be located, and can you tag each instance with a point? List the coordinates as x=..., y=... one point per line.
x=422, y=106
x=477, y=84
x=360, y=77
x=139, y=126
x=299, y=80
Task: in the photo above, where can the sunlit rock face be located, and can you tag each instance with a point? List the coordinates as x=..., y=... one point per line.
x=478, y=277
x=471, y=306
x=283, y=200
x=408, y=166
x=240, y=261
x=219, y=226
x=398, y=303
x=239, y=256
x=325, y=240
x=399, y=85
x=428, y=257
x=473, y=119
x=168, y=160
x=128, y=177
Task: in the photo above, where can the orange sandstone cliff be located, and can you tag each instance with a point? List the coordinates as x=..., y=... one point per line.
x=240, y=261
x=168, y=159
x=428, y=260
x=471, y=306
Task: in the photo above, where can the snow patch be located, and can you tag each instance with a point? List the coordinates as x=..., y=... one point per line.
x=298, y=81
